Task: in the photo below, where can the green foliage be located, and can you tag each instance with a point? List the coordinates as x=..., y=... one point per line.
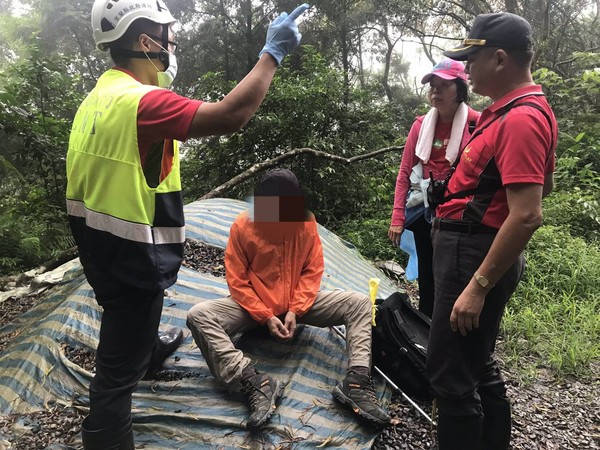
x=18, y=249
x=368, y=231
x=575, y=212
x=305, y=107
x=30, y=250
x=31, y=230
x=574, y=204
x=580, y=133
x=369, y=236
x=37, y=101
x=554, y=313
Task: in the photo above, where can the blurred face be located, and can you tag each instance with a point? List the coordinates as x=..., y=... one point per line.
x=442, y=93
x=266, y=208
x=279, y=209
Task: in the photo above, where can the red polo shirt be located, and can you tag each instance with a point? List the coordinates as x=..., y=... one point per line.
x=162, y=117
x=516, y=148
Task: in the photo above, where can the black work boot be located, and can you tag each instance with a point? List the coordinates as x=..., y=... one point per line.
x=358, y=392
x=497, y=421
x=262, y=393
x=167, y=343
x=459, y=433
x=120, y=438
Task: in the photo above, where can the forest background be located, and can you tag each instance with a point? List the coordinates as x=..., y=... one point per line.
x=345, y=93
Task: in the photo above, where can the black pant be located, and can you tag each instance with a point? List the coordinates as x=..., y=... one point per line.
x=128, y=334
x=474, y=411
x=422, y=232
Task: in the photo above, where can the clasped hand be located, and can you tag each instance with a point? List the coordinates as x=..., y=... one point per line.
x=283, y=35
x=282, y=330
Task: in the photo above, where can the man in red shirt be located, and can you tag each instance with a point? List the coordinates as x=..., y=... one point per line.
x=491, y=208
x=124, y=191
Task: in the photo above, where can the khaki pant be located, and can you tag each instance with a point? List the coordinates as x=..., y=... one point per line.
x=213, y=322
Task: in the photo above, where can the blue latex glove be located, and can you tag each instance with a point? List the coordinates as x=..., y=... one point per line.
x=283, y=35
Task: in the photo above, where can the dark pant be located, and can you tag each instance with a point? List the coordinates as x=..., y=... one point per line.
x=474, y=411
x=422, y=232
x=128, y=334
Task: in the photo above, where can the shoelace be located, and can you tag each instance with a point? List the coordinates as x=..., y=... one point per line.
x=253, y=392
x=369, y=389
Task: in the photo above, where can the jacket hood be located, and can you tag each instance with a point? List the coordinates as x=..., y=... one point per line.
x=279, y=182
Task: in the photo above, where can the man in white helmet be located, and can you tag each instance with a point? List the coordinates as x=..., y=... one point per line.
x=124, y=192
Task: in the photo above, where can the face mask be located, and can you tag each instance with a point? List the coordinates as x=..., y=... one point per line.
x=166, y=78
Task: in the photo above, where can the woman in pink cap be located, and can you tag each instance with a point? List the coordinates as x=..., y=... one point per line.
x=432, y=147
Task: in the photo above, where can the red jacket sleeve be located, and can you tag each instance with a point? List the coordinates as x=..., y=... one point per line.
x=409, y=159
x=310, y=279
x=236, y=274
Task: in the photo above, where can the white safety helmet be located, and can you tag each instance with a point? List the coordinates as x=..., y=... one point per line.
x=111, y=18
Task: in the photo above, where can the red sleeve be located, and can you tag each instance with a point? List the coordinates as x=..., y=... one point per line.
x=523, y=147
x=162, y=114
x=236, y=274
x=409, y=159
x=308, y=286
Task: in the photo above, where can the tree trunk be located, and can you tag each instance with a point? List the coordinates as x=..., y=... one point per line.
x=250, y=57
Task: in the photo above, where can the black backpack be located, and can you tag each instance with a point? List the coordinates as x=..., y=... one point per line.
x=400, y=344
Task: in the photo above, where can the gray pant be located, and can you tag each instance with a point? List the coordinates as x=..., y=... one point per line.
x=212, y=323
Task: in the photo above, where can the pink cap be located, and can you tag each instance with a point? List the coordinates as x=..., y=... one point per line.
x=448, y=69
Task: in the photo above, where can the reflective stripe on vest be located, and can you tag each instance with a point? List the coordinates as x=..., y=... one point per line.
x=121, y=225
x=103, y=162
x=136, y=232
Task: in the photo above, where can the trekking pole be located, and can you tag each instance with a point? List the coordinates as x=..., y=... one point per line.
x=392, y=384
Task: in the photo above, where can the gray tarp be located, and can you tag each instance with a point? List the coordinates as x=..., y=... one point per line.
x=193, y=412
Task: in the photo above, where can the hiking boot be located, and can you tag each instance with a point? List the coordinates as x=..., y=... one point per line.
x=358, y=392
x=262, y=393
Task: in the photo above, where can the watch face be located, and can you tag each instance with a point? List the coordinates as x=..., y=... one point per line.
x=483, y=281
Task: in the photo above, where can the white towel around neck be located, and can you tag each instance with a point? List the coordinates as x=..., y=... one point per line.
x=427, y=131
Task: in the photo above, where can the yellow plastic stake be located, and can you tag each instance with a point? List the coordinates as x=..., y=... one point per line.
x=373, y=288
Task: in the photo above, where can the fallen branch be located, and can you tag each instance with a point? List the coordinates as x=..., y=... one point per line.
x=64, y=256
x=274, y=162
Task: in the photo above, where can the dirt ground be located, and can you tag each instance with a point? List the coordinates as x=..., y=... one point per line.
x=547, y=415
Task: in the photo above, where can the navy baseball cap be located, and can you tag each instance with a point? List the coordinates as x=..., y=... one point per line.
x=503, y=30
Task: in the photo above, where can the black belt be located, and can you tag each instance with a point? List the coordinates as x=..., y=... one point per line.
x=462, y=227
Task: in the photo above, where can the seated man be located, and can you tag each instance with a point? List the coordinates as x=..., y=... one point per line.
x=274, y=264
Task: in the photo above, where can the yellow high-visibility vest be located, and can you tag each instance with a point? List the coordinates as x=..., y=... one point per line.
x=121, y=225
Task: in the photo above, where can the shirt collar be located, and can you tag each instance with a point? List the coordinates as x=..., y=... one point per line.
x=128, y=72
x=534, y=89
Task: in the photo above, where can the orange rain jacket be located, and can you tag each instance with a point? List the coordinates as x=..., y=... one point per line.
x=273, y=267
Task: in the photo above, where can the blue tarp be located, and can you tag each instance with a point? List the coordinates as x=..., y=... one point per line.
x=193, y=412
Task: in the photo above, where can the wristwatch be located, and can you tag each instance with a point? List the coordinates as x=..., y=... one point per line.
x=482, y=281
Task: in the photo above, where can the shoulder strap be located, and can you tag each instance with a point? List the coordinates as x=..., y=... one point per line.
x=545, y=114
x=501, y=113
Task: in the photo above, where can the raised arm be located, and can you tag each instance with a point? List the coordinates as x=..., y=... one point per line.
x=237, y=108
